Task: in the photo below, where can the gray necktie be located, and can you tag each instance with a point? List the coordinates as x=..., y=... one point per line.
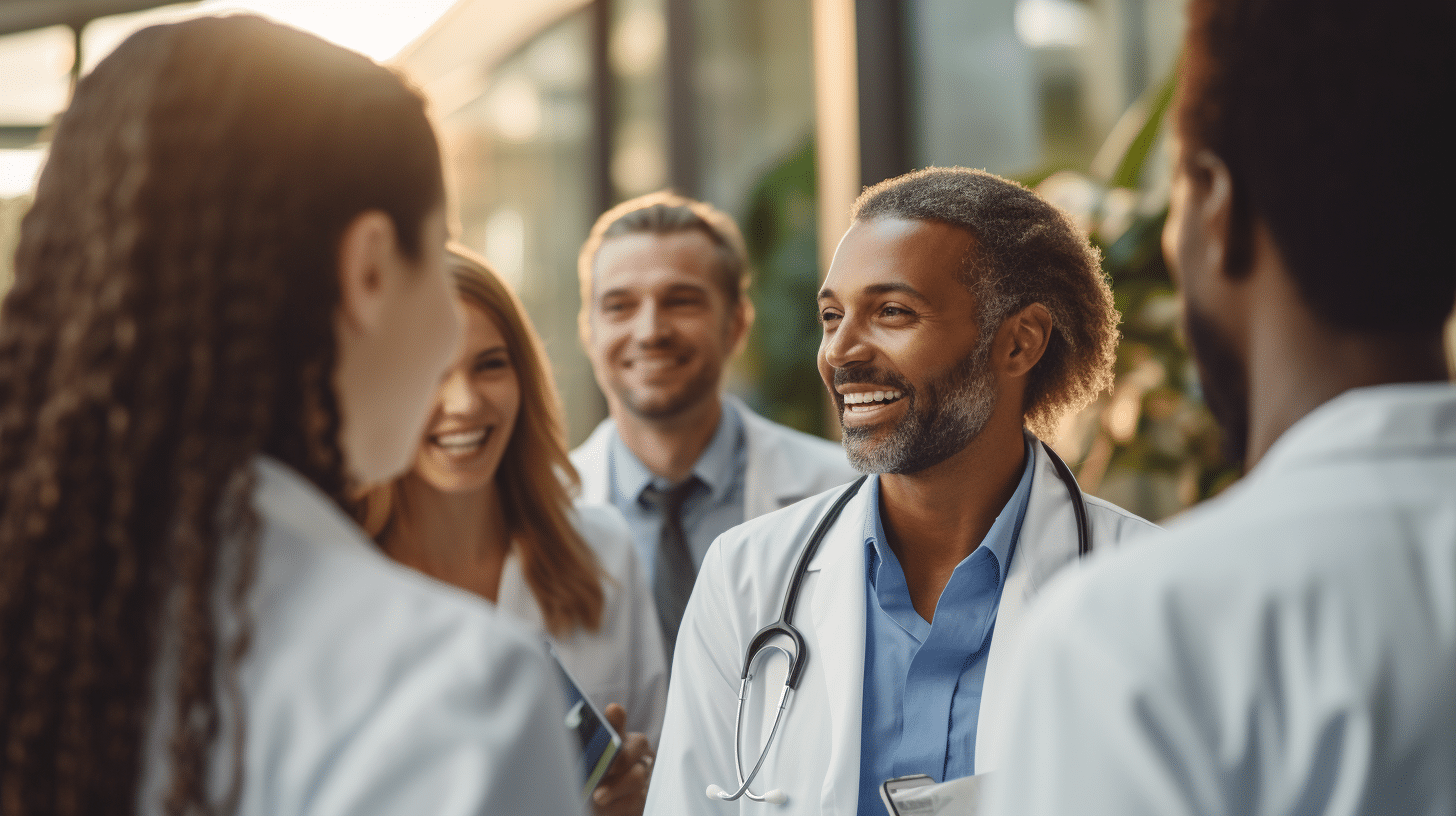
x=672, y=581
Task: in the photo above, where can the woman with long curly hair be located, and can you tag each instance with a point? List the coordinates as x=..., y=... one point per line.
x=230, y=309
x=487, y=507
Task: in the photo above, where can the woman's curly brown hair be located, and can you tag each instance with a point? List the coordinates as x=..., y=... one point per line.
x=1026, y=251
x=171, y=319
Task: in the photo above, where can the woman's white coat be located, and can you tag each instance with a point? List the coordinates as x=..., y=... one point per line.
x=371, y=689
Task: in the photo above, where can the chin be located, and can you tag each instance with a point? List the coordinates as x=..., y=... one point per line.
x=452, y=484
x=366, y=472
x=660, y=404
x=443, y=478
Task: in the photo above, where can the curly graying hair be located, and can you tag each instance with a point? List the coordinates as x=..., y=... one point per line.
x=1025, y=251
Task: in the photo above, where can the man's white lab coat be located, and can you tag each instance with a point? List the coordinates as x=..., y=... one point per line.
x=815, y=758
x=1290, y=649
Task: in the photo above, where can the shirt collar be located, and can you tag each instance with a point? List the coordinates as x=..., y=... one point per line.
x=720, y=463
x=716, y=467
x=629, y=477
x=1000, y=540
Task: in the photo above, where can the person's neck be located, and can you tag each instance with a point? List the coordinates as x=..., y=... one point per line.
x=670, y=446
x=1298, y=362
x=937, y=517
x=459, y=538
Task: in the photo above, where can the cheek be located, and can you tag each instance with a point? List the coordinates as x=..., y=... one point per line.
x=505, y=400
x=606, y=338
x=437, y=413
x=826, y=371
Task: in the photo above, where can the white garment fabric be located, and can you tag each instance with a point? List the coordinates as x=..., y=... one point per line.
x=624, y=661
x=371, y=689
x=1290, y=649
x=815, y=759
x=784, y=465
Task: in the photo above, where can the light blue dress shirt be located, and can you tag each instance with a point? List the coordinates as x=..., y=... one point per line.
x=922, y=680
x=708, y=512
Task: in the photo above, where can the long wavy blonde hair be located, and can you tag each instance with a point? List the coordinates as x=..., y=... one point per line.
x=535, y=478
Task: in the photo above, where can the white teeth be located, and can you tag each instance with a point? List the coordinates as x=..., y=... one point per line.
x=463, y=439
x=867, y=397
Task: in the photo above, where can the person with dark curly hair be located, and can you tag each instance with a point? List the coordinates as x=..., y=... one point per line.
x=230, y=310
x=962, y=316
x=1291, y=646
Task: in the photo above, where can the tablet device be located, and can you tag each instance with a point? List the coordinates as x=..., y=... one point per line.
x=590, y=730
x=899, y=783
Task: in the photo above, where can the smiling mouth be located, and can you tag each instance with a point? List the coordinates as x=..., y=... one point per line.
x=461, y=442
x=657, y=362
x=870, y=400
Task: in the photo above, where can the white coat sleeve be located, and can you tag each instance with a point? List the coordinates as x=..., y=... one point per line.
x=697, y=737
x=459, y=737
x=1097, y=722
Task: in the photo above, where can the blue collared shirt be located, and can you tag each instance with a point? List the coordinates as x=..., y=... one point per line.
x=708, y=512
x=922, y=680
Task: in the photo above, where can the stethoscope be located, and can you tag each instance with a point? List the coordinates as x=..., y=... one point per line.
x=797, y=652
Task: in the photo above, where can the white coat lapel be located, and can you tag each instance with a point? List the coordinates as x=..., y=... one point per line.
x=771, y=479
x=838, y=611
x=590, y=461
x=1048, y=542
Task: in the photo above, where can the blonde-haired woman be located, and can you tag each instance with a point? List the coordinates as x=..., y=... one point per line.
x=487, y=506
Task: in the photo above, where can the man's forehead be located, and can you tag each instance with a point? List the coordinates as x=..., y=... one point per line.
x=639, y=259
x=885, y=254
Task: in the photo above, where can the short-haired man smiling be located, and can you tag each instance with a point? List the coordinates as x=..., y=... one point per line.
x=664, y=309
x=959, y=312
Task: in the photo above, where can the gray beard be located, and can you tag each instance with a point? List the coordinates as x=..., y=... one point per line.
x=955, y=410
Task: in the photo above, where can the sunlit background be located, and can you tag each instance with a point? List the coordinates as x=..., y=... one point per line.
x=777, y=111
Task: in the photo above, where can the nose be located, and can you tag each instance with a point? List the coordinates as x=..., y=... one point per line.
x=844, y=346
x=457, y=394
x=649, y=324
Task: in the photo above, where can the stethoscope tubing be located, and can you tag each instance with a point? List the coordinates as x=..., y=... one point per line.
x=799, y=654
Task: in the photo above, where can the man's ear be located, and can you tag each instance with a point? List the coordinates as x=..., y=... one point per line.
x=583, y=326
x=740, y=322
x=368, y=260
x=1023, y=340
x=1212, y=202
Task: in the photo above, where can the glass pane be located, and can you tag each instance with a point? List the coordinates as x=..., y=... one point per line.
x=518, y=161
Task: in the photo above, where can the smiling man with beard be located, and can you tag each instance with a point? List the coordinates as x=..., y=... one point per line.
x=962, y=316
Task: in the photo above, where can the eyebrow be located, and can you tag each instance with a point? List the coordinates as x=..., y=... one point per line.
x=615, y=292
x=880, y=289
x=678, y=286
